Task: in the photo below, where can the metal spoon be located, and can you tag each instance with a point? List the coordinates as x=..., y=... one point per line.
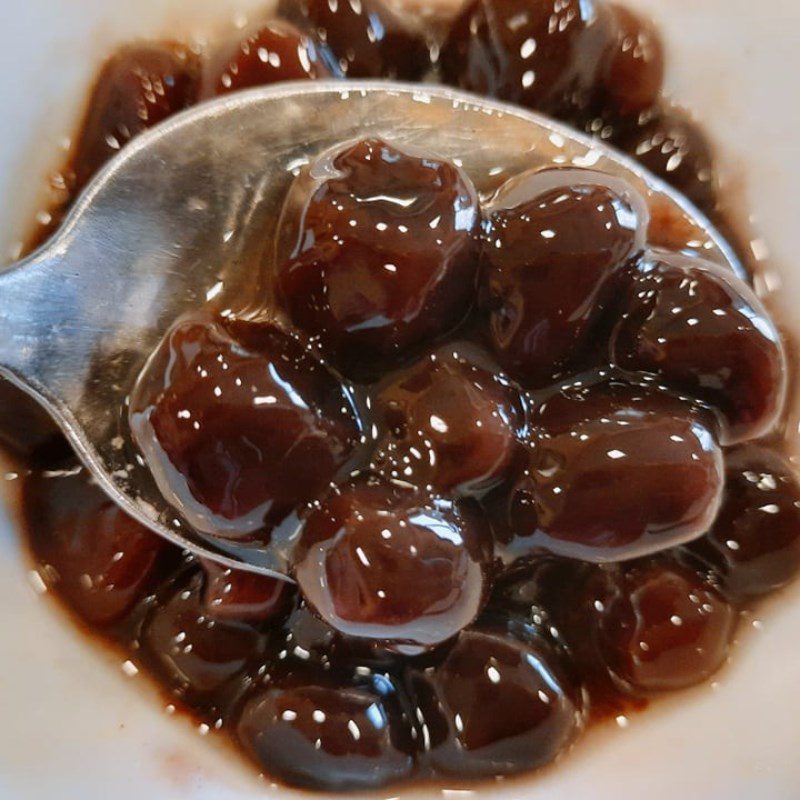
x=182, y=214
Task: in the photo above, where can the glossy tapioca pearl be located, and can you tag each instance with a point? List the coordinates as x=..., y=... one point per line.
x=495, y=705
x=451, y=422
x=543, y=55
x=267, y=53
x=196, y=653
x=557, y=596
x=379, y=560
x=327, y=730
x=617, y=472
x=378, y=251
x=238, y=435
x=302, y=637
x=540, y=584
x=669, y=144
x=556, y=240
x=239, y=595
x=754, y=545
x=140, y=86
x=632, y=69
x=701, y=330
x=660, y=625
x=368, y=38
x=100, y=560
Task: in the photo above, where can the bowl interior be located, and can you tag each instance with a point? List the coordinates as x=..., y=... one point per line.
x=75, y=719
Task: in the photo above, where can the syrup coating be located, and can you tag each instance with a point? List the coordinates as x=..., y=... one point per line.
x=539, y=54
x=238, y=437
x=556, y=241
x=617, y=472
x=377, y=252
x=452, y=424
x=380, y=561
x=267, y=53
x=703, y=331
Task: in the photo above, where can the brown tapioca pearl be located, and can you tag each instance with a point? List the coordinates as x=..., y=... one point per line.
x=379, y=255
x=559, y=597
x=669, y=144
x=663, y=626
x=556, y=240
x=754, y=545
x=328, y=731
x=268, y=53
x=617, y=472
x=368, y=38
x=239, y=436
x=305, y=637
x=139, y=86
x=531, y=52
x=239, y=595
x=379, y=560
x=495, y=705
x=452, y=424
x=633, y=68
x=539, y=584
x=198, y=655
x=701, y=330
x=99, y=559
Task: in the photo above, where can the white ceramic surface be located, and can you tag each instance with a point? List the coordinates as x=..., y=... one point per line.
x=74, y=726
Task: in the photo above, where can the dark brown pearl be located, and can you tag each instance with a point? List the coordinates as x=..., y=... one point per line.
x=663, y=627
x=368, y=38
x=328, y=732
x=451, y=423
x=195, y=653
x=378, y=252
x=267, y=53
x=139, y=86
x=556, y=241
x=754, y=545
x=701, y=330
x=378, y=560
x=634, y=67
x=239, y=435
x=536, y=53
x=239, y=595
x=616, y=472
x=672, y=146
x=98, y=558
x=495, y=705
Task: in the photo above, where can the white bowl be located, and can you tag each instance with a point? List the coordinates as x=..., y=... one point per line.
x=73, y=724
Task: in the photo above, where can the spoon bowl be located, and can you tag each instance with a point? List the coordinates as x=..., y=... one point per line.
x=183, y=216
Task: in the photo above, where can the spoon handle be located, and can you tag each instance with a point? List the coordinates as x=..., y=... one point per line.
x=51, y=311
x=56, y=335
x=37, y=316
x=62, y=312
